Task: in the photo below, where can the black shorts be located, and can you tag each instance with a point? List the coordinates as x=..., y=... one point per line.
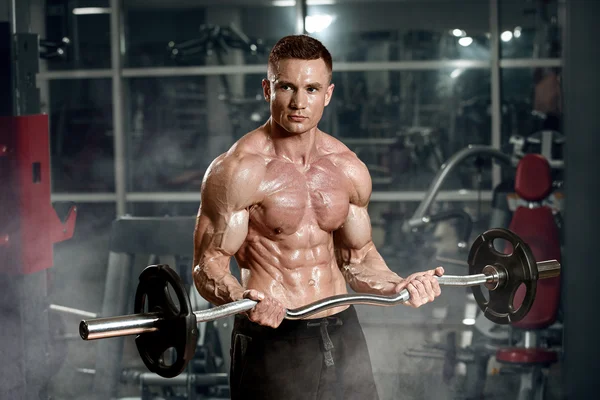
x=324, y=358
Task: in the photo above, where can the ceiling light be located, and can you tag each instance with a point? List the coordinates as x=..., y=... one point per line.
x=456, y=73
x=506, y=36
x=318, y=23
x=517, y=32
x=91, y=10
x=465, y=41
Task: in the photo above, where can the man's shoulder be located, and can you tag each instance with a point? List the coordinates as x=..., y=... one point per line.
x=332, y=144
x=351, y=166
x=243, y=161
x=339, y=153
x=233, y=179
x=243, y=153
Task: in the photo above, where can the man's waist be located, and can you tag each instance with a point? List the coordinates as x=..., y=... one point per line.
x=291, y=294
x=295, y=328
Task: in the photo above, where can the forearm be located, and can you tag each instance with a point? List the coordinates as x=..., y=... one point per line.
x=215, y=283
x=366, y=271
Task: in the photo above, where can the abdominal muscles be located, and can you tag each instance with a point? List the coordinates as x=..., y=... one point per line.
x=288, y=253
x=296, y=270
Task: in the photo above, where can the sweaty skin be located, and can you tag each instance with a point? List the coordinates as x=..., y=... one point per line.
x=290, y=203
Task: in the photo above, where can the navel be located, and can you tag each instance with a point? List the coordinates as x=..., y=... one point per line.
x=278, y=231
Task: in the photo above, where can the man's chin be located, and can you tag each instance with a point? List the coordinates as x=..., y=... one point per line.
x=296, y=128
x=293, y=128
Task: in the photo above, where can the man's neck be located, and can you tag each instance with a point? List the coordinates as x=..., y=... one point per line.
x=297, y=148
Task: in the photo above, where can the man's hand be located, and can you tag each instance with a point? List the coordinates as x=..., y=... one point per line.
x=268, y=312
x=422, y=286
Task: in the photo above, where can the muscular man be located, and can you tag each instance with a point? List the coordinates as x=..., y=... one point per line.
x=289, y=202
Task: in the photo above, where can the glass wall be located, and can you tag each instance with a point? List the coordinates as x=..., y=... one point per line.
x=190, y=33
x=81, y=132
x=531, y=101
x=416, y=81
x=530, y=29
x=402, y=30
x=77, y=35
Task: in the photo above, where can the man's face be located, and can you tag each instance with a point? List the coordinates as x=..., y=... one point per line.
x=298, y=91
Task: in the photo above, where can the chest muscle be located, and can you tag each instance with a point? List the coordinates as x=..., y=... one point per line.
x=295, y=200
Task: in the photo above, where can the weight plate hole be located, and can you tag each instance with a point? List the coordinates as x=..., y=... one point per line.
x=145, y=308
x=518, y=296
x=171, y=296
x=168, y=358
x=502, y=246
x=485, y=292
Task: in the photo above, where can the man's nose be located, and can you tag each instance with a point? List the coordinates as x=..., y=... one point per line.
x=299, y=100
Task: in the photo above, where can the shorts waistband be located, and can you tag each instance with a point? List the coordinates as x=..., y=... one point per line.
x=302, y=328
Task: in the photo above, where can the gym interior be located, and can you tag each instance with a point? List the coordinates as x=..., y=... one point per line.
x=470, y=115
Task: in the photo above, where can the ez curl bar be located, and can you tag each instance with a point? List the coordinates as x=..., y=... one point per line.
x=161, y=325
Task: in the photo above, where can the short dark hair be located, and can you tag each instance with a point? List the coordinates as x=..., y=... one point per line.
x=302, y=47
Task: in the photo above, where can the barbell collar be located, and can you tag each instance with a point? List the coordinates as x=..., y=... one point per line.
x=497, y=276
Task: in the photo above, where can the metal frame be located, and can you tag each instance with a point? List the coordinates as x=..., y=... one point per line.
x=117, y=73
x=531, y=63
x=116, y=39
x=495, y=95
x=85, y=197
x=192, y=197
x=153, y=72
x=75, y=74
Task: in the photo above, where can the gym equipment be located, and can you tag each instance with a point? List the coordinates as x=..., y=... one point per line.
x=544, y=141
x=534, y=221
x=132, y=241
x=215, y=39
x=161, y=324
x=29, y=225
x=420, y=217
x=50, y=50
x=499, y=307
x=533, y=183
x=208, y=385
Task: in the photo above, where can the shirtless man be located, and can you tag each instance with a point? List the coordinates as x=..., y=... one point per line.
x=289, y=202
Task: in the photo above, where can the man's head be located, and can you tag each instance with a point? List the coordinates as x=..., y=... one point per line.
x=298, y=85
x=300, y=47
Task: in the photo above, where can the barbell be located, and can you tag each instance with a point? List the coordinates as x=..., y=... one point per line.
x=160, y=324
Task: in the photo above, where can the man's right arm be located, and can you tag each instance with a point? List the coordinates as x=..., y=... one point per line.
x=229, y=188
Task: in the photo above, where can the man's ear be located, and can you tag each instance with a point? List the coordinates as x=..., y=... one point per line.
x=266, y=84
x=328, y=94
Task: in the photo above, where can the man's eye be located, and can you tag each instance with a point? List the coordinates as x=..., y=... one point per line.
x=285, y=87
x=312, y=90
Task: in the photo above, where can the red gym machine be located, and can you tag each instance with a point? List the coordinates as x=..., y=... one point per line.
x=29, y=225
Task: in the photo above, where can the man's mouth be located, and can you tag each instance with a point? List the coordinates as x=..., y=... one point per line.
x=297, y=118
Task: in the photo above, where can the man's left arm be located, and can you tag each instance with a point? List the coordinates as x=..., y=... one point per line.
x=361, y=264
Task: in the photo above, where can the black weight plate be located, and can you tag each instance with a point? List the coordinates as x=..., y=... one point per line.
x=177, y=328
x=520, y=267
